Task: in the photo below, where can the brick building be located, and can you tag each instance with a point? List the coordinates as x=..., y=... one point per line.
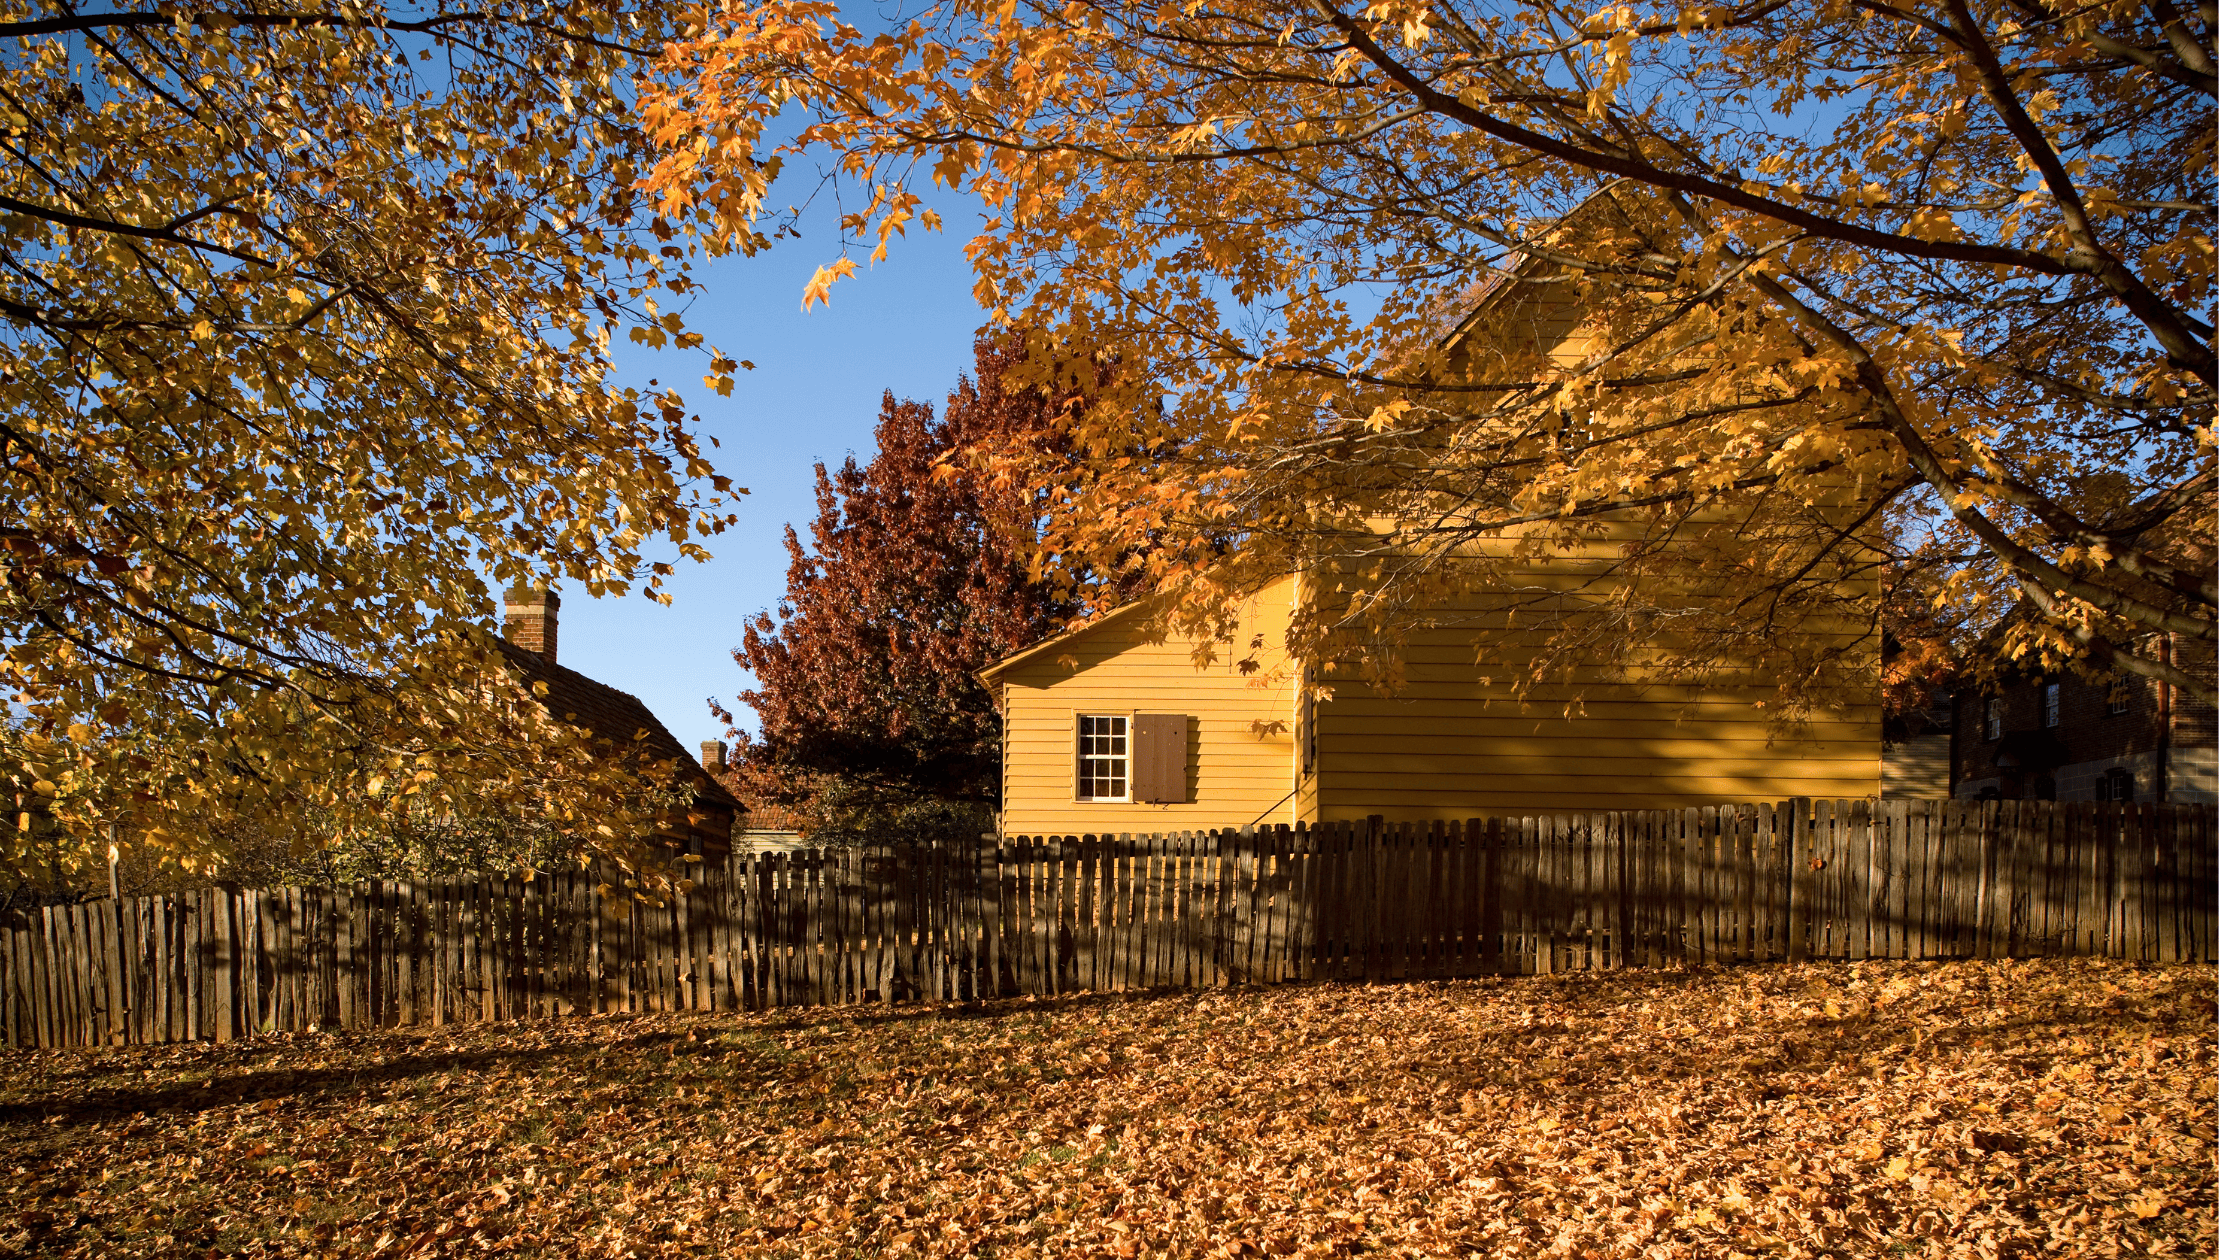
x=532, y=645
x=2065, y=739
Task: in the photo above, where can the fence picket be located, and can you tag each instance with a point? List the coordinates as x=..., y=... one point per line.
x=2061, y=882
x=1280, y=866
x=1916, y=878
x=1908, y=820
x=1289, y=866
x=1292, y=916
x=966, y=921
x=1198, y=934
x=1936, y=925
x=1769, y=933
x=2038, y=840
x=1177, y=906
x=70, y=980
x=2001, y=875
x=1120, y=896
x=1886, y=934
x=1929, y=927
x=736, y=889
x=76, y=973
x=1169, y=887
x=2201, y=905
x=1150, y=921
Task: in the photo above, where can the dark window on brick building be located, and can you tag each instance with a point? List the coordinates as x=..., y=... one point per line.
x=1994, y=715
x=2115, y=785
x=2049, y=705
x=2119, y=695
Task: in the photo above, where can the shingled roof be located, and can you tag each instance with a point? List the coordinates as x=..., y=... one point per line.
x=611, y=715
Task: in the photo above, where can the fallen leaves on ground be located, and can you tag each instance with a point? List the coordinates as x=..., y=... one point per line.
x=1993, y=1110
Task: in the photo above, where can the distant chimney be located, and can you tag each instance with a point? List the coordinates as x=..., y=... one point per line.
x=711, y=755
x=533, y=621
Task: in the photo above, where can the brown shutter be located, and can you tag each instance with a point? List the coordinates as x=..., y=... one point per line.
x=1159, y=744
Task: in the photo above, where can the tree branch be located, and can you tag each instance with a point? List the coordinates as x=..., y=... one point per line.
x=2167, y=323
x=2178, y=333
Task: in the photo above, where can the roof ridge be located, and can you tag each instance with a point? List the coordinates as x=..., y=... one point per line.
x=575, y=697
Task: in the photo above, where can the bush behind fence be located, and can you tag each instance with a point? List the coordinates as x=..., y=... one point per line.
x=961, y=921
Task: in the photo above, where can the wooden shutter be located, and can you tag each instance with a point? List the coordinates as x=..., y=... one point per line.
x=1160, y=746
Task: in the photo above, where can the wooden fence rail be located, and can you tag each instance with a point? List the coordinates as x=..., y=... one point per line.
x=1743, y=883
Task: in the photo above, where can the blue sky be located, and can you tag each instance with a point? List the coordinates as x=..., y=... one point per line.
x=906, y=324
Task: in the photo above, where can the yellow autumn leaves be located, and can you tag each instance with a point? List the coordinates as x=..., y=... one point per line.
x=307, y=327
x=1771, y=319
x=1807, y=310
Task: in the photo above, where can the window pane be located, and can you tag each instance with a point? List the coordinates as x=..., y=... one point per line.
x=1101, y=758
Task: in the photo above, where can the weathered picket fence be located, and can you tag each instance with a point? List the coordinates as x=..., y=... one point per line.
x=1796, y=880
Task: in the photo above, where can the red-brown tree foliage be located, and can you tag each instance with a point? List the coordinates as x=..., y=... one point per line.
x=917, y=574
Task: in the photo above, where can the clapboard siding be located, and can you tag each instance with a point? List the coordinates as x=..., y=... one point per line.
x=1428, y=805
x=1233, y=770
x=1593, y=776
x=1414, y=774
x=1739, y=725
x=1457, y=741
x=1537, y=753
x=1918, y=769
x=1593, y=683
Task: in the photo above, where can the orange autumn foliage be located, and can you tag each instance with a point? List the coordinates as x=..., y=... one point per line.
x=1855, y=287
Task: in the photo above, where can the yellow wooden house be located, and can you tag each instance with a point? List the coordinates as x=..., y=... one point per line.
x=1114, y=728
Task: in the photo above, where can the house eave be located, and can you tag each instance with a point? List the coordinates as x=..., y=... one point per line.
x=992, y=676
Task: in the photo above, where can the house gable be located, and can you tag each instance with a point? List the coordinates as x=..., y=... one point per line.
x=1235, y=747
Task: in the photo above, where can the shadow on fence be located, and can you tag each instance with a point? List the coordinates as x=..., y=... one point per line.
x=964, y=921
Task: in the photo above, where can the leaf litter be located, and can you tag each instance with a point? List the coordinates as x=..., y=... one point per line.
x=2002, y=1111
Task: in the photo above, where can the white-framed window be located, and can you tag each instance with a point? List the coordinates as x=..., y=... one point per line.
x=1100, y=757
x=1994, y=716
x=2049, y=705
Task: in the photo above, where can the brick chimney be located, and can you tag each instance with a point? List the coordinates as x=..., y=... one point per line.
x=533, y=621
x=711, y=756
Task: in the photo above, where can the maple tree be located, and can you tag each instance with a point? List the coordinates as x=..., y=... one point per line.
x=308, y=316
x=1845, y=283
x=915, y=576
